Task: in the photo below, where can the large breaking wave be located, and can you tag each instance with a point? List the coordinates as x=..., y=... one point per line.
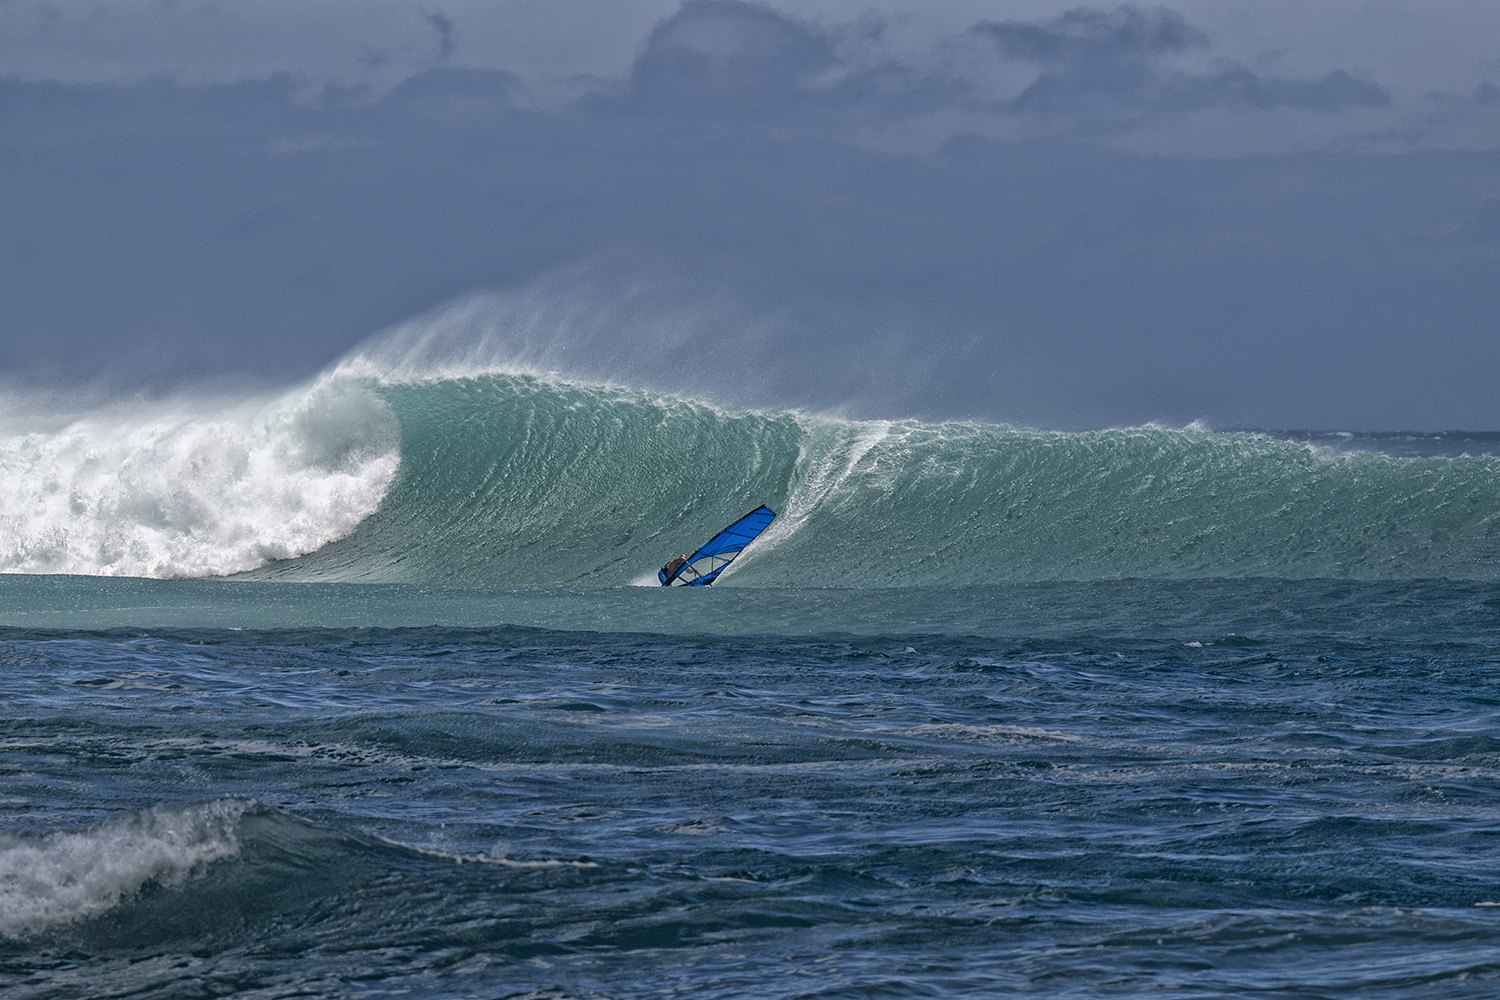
x=522, y=478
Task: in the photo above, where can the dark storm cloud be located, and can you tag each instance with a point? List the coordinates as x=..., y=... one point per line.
x=1237, y=86
x=164, y=231
x=1486, y=94
x=1107, y=42
x=1105, y=69
x=747, y=64
x=728, y=56
x=443, y=25
x=1110, y=64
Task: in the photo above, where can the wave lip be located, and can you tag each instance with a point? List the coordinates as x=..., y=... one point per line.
x=58, y=877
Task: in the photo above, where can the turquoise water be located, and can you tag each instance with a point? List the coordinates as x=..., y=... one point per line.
x=352, y=692
x=578, y=484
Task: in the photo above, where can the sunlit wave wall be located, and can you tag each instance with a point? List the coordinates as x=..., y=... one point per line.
x=515, y=478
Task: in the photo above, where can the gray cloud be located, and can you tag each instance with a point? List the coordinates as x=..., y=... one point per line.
x=1098, y=71
x=1109, y=65
x=728, y=55
x=726, y=60
x=443, y=25
x=162, y=231
x=1089, y=54
x=1237, y=86
x=1110, y=41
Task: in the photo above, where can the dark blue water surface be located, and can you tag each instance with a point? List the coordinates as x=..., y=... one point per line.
x=1212, y=788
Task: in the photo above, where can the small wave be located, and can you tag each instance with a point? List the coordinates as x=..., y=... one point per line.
x=276, y=863
x=61, y=876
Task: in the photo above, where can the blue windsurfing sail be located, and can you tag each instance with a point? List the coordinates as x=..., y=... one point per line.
x=704, y=566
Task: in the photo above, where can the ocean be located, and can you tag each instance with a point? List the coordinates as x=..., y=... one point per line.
x=365, y=689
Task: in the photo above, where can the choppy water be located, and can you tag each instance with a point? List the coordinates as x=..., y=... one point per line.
x=1217, y=787
x=988, y=711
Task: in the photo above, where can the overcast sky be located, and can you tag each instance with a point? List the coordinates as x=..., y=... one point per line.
x=1277, y=214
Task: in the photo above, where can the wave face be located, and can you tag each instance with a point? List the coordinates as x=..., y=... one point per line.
x=512, y=478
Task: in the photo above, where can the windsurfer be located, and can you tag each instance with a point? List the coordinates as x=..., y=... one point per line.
x=673, y=565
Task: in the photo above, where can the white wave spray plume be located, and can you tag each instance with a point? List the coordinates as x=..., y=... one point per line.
x=600, y=322
x=628, y=322
x=190, y=488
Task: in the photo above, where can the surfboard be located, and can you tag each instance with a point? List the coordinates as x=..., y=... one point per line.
x=703, y=567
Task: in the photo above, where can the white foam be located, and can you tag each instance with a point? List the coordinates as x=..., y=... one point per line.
x=494, y=858
x=51, y=879
x=188, y=489
x=832, y=452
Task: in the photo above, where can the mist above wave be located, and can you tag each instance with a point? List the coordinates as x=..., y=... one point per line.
x=621, y=321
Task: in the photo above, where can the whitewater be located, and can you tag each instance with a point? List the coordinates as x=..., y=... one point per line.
x=363, y=688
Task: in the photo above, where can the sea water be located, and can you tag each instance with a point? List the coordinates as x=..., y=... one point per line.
x=356, y=692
